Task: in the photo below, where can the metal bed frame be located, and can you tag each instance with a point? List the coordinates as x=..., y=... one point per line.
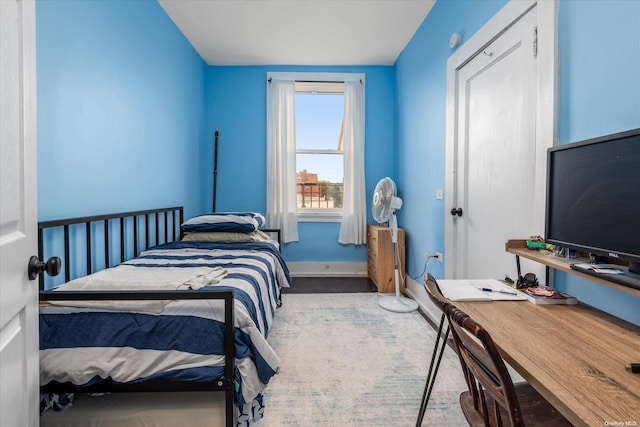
x=128, y=225
x=139, y=222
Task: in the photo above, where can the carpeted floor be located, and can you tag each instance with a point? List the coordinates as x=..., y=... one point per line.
x=347, y=362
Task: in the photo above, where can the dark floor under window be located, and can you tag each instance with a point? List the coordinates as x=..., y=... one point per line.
x=320, y=285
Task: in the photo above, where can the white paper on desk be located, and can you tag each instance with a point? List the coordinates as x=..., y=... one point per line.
x=471, y=290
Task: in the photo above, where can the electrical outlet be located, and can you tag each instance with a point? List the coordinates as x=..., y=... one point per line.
x=439, y=256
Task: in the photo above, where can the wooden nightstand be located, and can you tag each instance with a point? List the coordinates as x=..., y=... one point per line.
x=380, y=258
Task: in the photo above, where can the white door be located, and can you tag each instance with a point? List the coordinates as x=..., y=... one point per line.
x=18, y=227
x=495, y=173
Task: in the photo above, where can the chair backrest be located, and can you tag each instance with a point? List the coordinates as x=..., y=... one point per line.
x=433, y=291
x=484, y=369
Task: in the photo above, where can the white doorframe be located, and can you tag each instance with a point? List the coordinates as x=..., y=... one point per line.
x=546, y=99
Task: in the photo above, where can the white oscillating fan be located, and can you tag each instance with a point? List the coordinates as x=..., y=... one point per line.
x=385, y=203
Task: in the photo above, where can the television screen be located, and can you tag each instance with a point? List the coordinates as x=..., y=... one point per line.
x=593, y=196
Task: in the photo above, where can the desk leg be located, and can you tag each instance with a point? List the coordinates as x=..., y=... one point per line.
x=433, y=369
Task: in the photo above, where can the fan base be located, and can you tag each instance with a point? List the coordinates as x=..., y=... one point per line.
x=398, y=304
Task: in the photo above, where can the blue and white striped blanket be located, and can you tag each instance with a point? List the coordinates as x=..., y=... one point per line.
x=178, y=340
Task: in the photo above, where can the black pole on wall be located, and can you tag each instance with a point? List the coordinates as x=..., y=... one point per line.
x=215, y=167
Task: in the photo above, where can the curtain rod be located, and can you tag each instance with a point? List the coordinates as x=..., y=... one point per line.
x=316, y=81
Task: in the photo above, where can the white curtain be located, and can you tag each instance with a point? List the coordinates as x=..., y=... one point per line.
x=354, y=215
x=281, y=159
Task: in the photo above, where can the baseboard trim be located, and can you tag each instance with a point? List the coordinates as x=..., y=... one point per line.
x=416, y=291
x=327, y=269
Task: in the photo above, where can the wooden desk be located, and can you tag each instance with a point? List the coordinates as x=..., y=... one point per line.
x=575, y=357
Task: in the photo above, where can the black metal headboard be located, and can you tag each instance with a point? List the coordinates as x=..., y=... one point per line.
x=134, y=231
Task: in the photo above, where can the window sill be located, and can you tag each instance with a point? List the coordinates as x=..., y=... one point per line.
x=319, y=216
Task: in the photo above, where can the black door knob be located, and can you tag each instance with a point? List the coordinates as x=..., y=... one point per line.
x=52, y=267
x=456, y=211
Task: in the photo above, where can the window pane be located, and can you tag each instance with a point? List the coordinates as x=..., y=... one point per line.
x=319, y=181
x=318, y=120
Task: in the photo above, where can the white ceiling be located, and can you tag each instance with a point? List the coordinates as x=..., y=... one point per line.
x=298, y=32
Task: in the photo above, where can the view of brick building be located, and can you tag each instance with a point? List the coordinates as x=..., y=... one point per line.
x=317, y=194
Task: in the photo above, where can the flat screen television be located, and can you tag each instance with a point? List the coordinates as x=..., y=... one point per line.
x=593, y=200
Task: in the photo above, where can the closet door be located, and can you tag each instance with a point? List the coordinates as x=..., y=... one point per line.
x=495, y=157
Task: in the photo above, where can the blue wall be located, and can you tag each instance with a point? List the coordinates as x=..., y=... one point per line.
x=237, y=108
x=599, y=95
x=599, y=90
x=599, y=68
x=121, y=109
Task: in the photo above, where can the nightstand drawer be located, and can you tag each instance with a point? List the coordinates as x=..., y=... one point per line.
x=380, y=262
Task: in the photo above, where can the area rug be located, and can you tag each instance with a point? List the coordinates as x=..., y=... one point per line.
x=347, y=362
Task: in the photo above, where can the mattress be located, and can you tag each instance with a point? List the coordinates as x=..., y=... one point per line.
x=83, y=343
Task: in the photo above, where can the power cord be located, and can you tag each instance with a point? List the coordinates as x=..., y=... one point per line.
x=428, y=258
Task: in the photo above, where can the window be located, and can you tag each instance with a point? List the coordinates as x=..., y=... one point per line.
x=321, y=176
x=319, y=113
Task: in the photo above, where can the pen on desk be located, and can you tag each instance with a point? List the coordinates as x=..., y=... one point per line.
x=498, y=290
x=634, y=368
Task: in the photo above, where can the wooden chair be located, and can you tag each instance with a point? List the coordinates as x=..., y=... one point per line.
x=433, y=291
x=492, y=398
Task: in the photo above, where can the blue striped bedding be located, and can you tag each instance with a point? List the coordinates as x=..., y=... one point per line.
x=239, y=222
x=181, y=340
